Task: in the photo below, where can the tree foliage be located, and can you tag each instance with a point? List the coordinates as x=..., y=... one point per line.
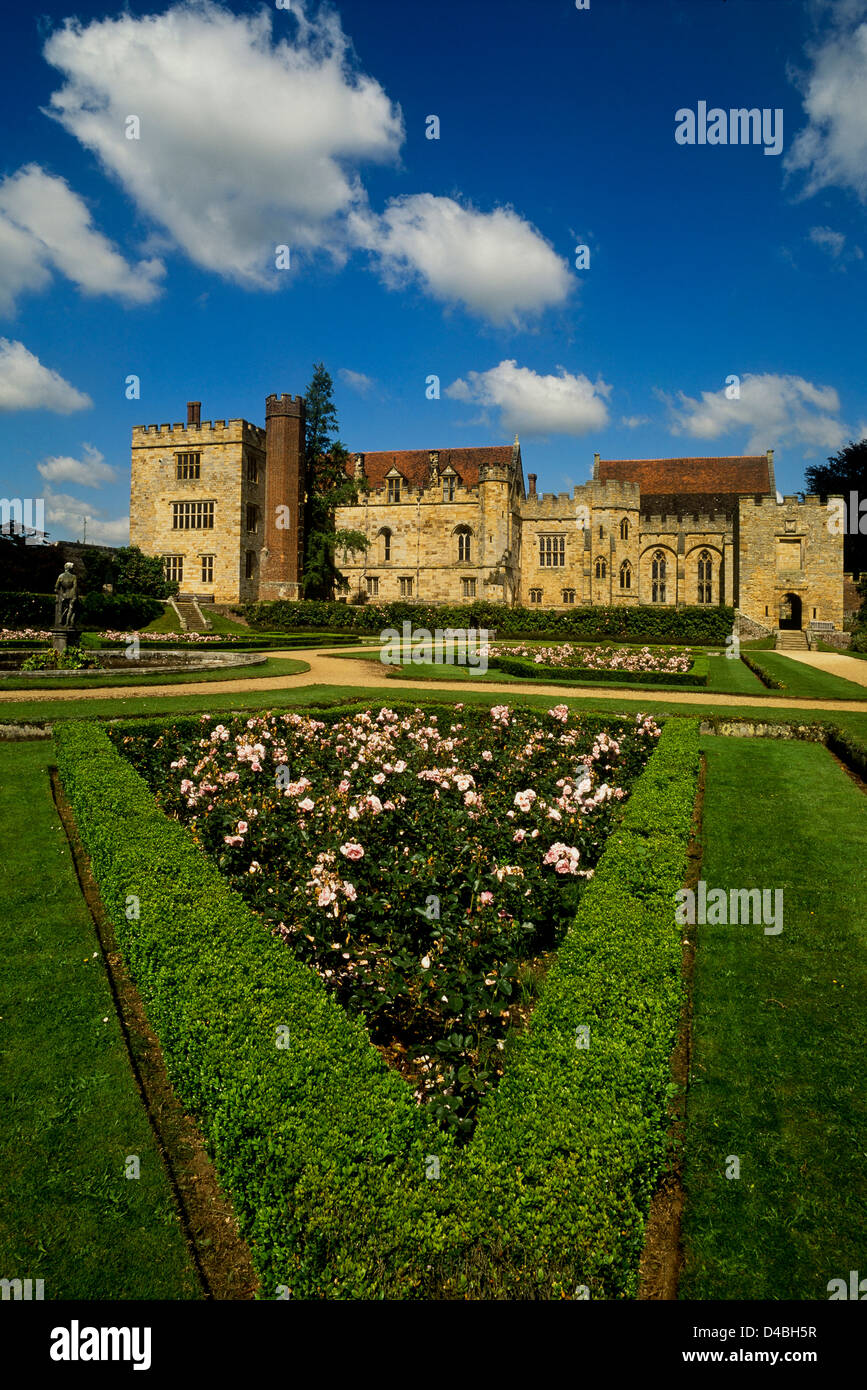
x=328, y=487
x=846, y=473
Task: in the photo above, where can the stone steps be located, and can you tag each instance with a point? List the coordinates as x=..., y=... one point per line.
x=791, y=641
x=190, y=616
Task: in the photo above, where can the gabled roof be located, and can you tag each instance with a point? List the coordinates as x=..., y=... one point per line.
x=415, y=464
x=716, y=477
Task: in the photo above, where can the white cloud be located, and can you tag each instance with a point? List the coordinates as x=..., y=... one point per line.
x=45, y=225
x=90, y=471
x=775, y=410
x=632, y=422
x=359, y=382
x=25, y=384
x=244, y=143
x=21, y=265
x=536, y=405
x=66, y=514
x=829, y=240
x=832, y=147
x=494, y=263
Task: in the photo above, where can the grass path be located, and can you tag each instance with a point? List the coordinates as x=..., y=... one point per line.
x=779, y=1032
x=70, y=1112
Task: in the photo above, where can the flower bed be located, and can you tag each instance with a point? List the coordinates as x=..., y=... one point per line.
x=588, y=666
x=321, y=1147
x=425, y=873
x=670, y=660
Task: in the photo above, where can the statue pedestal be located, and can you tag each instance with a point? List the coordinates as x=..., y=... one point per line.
x=62, y=638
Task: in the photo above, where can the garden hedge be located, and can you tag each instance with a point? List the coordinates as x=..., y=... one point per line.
x=95, y=610
x=755, y=665
x=322, y=1149
x=646, y=623
x=582, y=675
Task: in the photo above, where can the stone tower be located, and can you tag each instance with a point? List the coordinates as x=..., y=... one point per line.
x=283, y=550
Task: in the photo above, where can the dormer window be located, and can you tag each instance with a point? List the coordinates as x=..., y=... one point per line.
x=393, y=486
x=449, y=488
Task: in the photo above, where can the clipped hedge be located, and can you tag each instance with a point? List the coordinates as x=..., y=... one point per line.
x=95, y=610
x=583, y=675
x=647, y=623
x=759, y=670
x=323, y=1150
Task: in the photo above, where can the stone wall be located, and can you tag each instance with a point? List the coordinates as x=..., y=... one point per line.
x=787, y=549
x=225, y=448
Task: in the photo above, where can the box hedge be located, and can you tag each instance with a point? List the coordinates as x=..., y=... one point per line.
x=323, y=1150
x=645, y=623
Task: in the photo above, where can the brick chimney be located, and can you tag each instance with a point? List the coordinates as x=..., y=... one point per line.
x=194, y=415
x=283, y=551
x=531, y=480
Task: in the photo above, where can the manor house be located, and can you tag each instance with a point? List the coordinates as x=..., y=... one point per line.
x=222, y=503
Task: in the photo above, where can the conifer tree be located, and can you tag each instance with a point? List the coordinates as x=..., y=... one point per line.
x=328, y=487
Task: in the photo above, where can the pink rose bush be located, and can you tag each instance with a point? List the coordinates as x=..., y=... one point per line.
x=668, y=660
x=423, y=864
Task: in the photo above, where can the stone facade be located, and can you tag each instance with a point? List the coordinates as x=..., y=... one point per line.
x=215, y=474
x=450, y=526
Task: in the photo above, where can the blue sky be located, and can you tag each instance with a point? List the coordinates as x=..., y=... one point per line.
x=414, y=257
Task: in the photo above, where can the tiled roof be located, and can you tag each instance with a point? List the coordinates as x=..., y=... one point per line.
x=415, y=466
x=714, y=476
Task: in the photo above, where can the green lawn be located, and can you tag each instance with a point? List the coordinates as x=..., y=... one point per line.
x=779, y=1032
x=725, y=676
x=71, y=1112
x=806, y=682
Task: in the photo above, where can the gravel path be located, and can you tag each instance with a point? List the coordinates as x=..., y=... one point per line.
x=326, y=669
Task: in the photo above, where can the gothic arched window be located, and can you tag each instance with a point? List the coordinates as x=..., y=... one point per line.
x=626, y=575
x=705, y=577
x=657, y=575
x=464, y=535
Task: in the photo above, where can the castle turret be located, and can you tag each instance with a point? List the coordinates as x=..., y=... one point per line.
x=283, y=552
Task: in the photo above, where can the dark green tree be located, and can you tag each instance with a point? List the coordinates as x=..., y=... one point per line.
x=846, y=473
x=129, y=571
x=328, y=487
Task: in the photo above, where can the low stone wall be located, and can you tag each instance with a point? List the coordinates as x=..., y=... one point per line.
x=176, y=662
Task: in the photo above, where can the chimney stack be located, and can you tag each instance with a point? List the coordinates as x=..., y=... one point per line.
x=531, y=479
x=283, y=551
x=194, y=414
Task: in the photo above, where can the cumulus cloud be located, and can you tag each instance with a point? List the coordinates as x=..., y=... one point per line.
x=45, y=226
x=66, y=514
x=358, y=382
x=493, y=263
x=89, y=471
x=832, y=147
x=25, y=384
x=775, y=410
x=245, y=143
x=534, y=405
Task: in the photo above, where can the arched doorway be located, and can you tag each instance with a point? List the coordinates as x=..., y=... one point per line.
x=790, y=612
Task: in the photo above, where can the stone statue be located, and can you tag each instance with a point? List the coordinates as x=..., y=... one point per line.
x=66, y=590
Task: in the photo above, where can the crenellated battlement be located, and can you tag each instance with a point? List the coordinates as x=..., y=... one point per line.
x=710, y=521
x=208, y=432
x=810, y=499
